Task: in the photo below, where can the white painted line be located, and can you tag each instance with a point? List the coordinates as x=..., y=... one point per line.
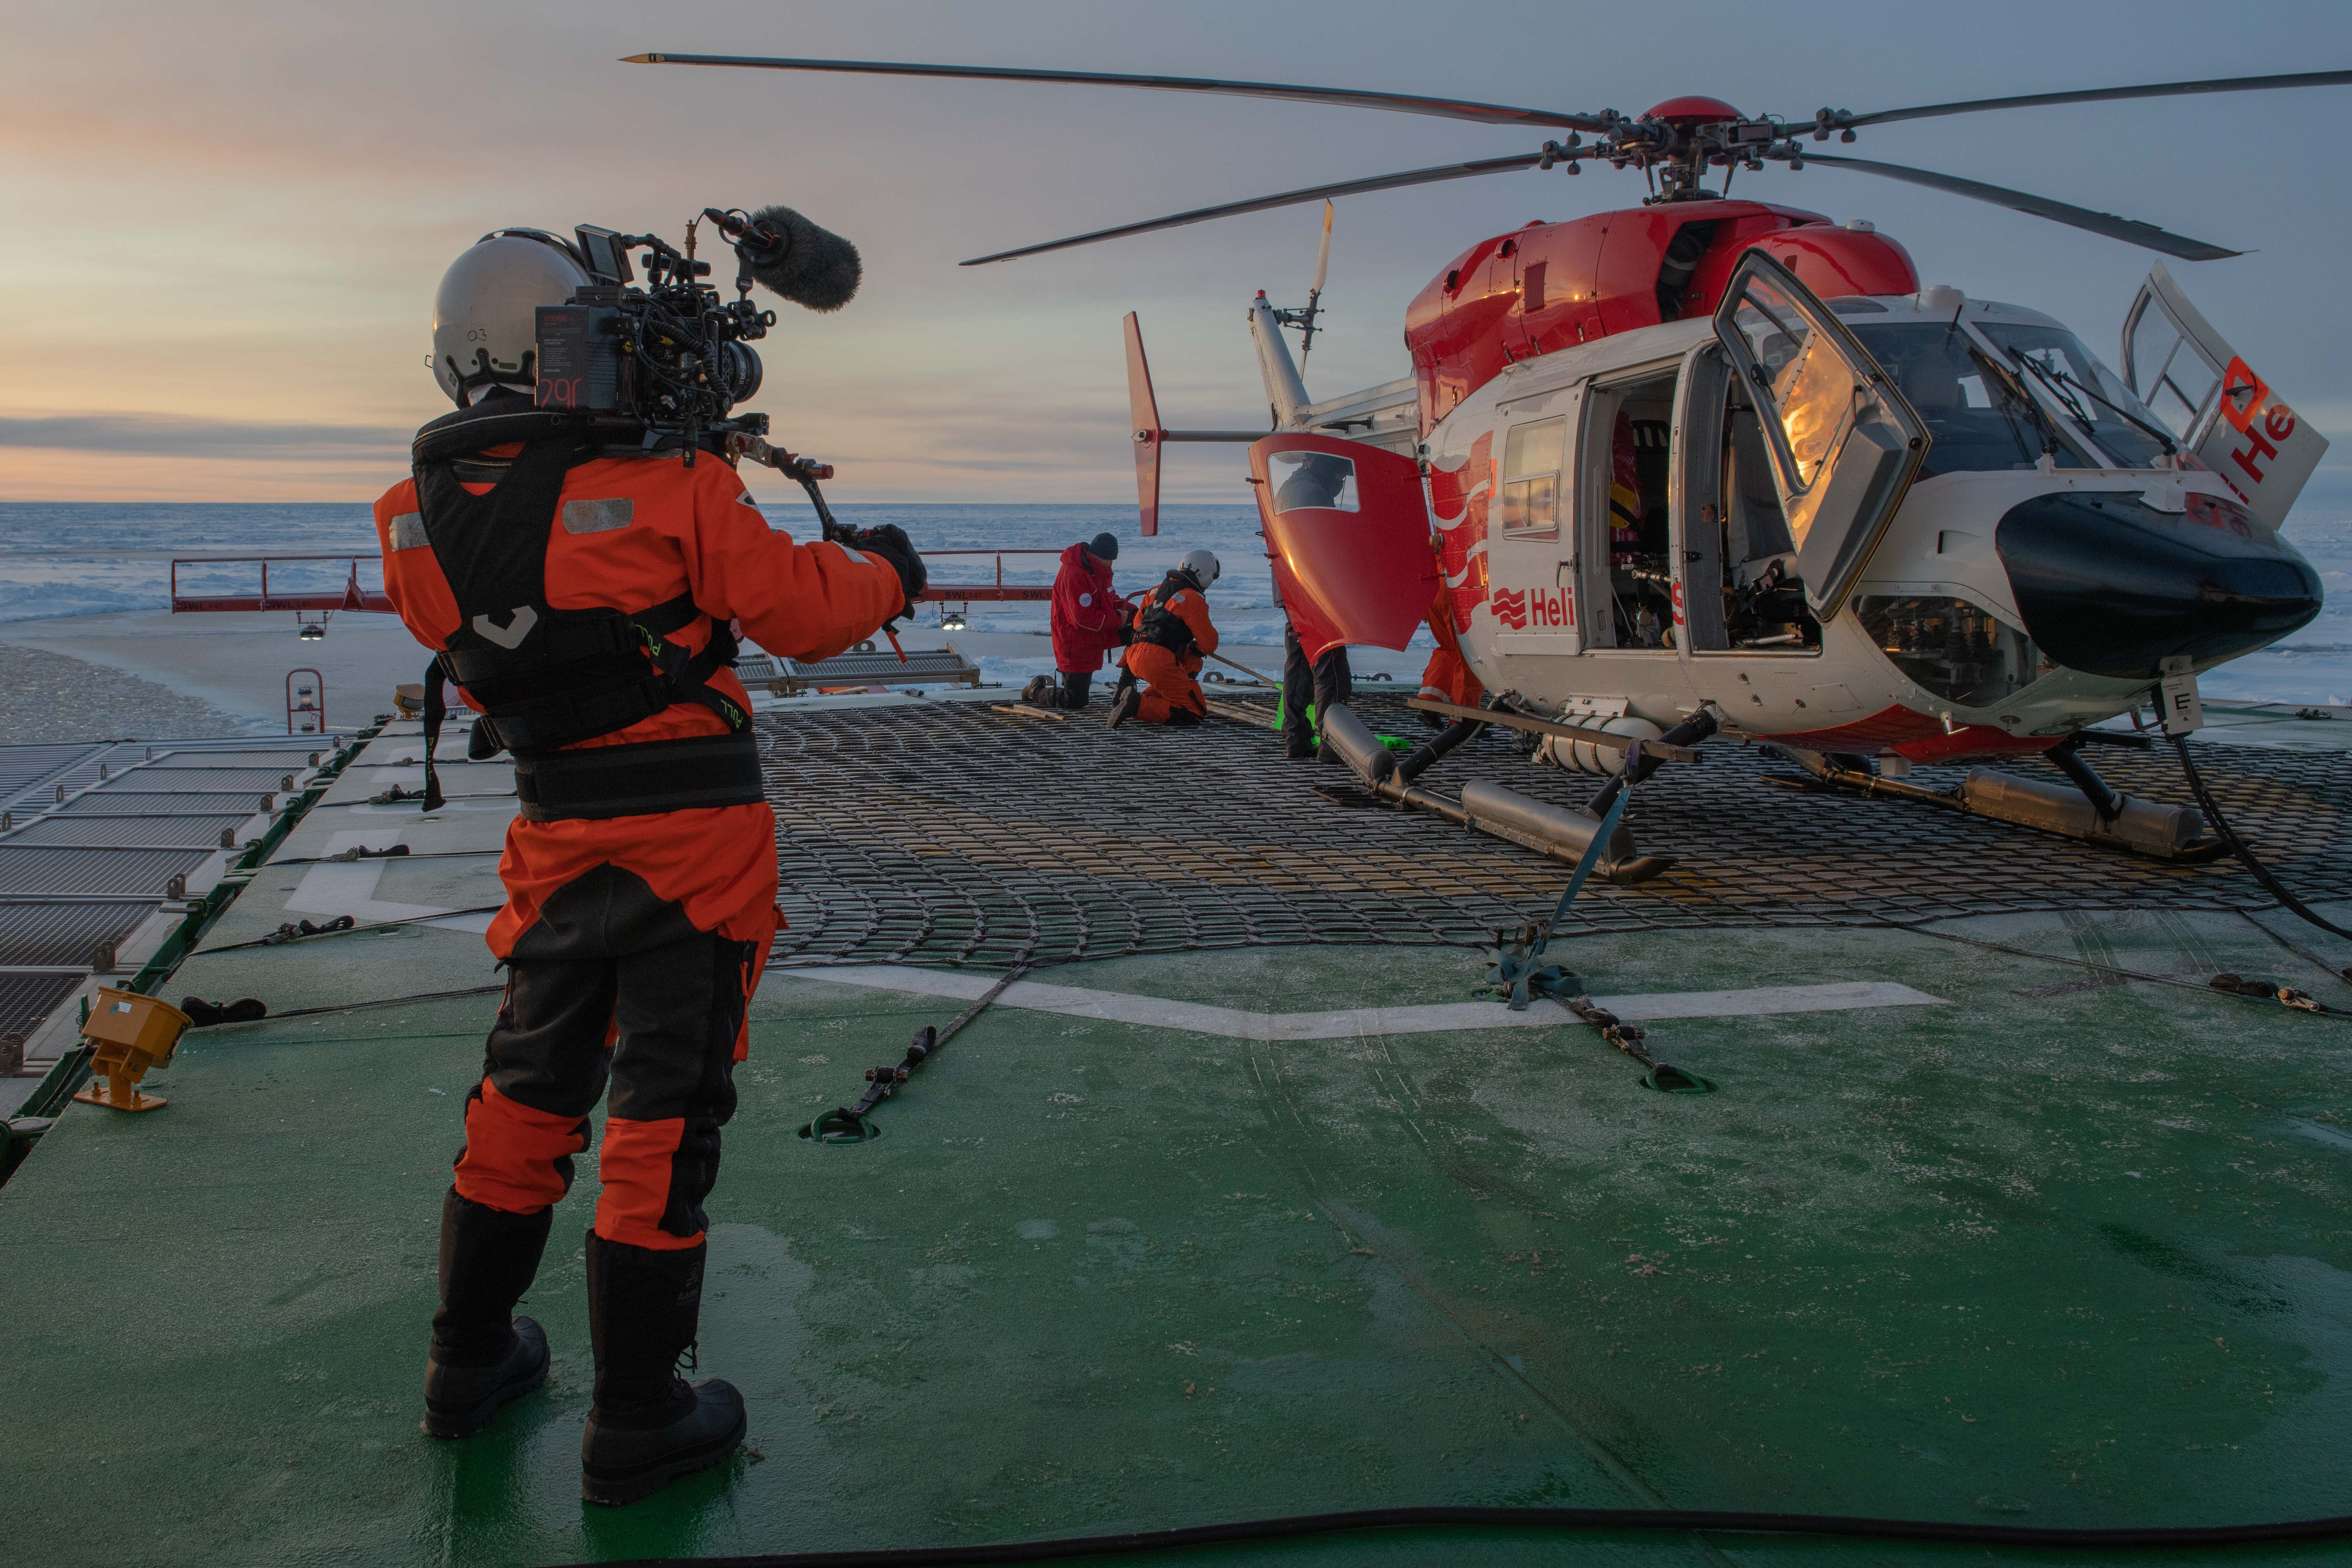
x=1232, y=1022
x=348, y=887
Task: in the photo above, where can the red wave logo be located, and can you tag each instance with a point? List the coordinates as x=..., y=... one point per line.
x=1510, y=607
x=1458, y=497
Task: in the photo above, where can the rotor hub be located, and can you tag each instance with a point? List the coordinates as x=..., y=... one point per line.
x=1691, y=111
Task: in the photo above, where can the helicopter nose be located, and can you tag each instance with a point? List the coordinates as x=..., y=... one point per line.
x=2110, y=585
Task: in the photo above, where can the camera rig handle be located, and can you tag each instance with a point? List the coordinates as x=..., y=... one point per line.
x=807, y=472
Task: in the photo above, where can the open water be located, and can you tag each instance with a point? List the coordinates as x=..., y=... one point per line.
x=96, y=558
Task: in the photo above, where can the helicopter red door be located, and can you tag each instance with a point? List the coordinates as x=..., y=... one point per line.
x=1347, y=529
x=1843, y=442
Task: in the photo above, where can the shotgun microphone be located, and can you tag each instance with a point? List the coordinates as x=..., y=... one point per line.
x=788, y=255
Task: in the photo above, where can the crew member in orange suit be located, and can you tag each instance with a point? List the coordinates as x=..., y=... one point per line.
x=584, y=603
x=1447, y=677
x=1171, y=631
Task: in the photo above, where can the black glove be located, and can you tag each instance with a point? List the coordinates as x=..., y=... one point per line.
x=890, y=542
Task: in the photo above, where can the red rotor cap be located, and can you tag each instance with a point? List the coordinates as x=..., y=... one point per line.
x=1683, y=113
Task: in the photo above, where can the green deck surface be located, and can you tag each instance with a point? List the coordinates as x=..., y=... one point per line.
x=2061, y=1252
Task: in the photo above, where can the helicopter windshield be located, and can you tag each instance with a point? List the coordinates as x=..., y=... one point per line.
x=1979, y=412
x=2091, y=395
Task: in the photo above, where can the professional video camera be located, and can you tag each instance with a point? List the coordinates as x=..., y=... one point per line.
x=674, y=356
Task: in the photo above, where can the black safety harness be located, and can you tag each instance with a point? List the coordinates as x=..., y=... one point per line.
x=549, y=679
x=1162, y=627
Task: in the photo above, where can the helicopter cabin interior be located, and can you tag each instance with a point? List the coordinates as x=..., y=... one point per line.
x=1632, y=514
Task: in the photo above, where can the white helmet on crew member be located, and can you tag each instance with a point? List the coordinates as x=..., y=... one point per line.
x=485, y=316
x=1201, y=565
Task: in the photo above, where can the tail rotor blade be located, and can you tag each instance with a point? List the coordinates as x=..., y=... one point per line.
x=1144, y=416
x=1322, y=254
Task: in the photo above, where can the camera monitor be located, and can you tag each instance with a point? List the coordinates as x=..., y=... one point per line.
x=607, y=258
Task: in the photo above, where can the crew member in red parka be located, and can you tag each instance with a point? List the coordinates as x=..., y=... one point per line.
x=1087, y=619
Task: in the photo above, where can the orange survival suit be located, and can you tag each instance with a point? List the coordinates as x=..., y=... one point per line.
x=1171, y=631
x=641, y=873
x=1447, y=678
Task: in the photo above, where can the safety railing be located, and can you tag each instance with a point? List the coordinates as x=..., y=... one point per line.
x=997, y=591
x=350, y=595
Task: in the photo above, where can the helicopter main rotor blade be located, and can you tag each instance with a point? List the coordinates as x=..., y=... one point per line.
x=2099, y=95
x=1404, y=103
x=1288, y=198
x=2126, y=230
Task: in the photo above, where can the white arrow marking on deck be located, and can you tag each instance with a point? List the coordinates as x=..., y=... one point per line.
x=1199, y=1018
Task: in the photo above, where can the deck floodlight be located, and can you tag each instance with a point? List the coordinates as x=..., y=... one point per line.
x=131, y=1034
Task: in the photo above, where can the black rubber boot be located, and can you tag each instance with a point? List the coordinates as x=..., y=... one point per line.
x=1297, y=748
x=482, y=1355
x=1125, y=704
x=648, y=1426
x=1042, y=692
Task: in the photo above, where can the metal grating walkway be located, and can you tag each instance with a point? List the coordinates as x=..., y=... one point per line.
x=95, y=836
x=946, y=833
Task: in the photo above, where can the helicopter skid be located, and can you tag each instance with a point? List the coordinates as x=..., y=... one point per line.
x=2139, y=827
x=1563, y=832
x=1559, y=832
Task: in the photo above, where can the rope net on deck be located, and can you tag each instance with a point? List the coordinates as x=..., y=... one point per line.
x=947, y=833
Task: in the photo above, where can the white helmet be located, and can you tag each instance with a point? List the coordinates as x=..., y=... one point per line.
x=1201, y=565
x=485, y=320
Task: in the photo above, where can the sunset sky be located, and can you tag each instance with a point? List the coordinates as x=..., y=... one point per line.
x=225, y=224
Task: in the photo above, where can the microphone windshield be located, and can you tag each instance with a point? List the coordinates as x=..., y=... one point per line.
x=807, y=265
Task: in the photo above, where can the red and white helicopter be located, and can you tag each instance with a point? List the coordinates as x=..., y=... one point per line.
x=1718, y=464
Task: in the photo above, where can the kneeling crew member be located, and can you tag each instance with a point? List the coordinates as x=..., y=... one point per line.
x=582, y=602
x=1088, y=620
x=1170, y=632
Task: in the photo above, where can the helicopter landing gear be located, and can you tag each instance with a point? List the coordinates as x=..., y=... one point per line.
x=2092, y=811
x=1563, y=832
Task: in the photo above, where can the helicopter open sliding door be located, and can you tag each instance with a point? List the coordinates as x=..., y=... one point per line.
x=2185, y=371
x=1347, y=531
x=1841, y=441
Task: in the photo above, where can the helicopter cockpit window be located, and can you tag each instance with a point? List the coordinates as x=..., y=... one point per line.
x=1531, y=479
x=2089, y=394
x=1981, y=413
x=1317, y=479
x=1959, y=651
